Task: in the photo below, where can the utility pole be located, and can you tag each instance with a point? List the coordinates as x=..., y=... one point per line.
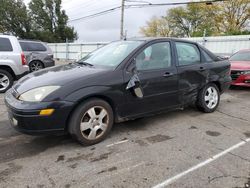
x=122, y=19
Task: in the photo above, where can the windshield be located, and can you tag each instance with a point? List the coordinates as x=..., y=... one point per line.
x=112, y=54
x=241, y=56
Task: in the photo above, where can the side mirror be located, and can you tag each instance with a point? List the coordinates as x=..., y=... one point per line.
x=135, y=85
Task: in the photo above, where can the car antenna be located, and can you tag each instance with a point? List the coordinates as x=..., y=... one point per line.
x=125, y=36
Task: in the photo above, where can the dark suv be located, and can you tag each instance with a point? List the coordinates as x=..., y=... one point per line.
x=121, y=81
x=38, y=54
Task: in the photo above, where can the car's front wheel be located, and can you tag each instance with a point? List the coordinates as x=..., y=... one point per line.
x=91, y=121
x=208, y=98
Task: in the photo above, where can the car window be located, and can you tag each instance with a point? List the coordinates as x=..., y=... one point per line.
x=32, y=46
x=241, y=56
x=111, y=55
x=187, y=53
x=156, y=56
x=206, y=56
x=5, y=45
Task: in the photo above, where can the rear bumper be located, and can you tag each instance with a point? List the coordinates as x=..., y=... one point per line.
x=225, y=84
x=49, y=63
x=25, y=118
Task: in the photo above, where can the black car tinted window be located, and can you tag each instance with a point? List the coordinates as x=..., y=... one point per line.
x=156, y=56
x=32, y=46
x=207, y=58
x=187, y=53
x=5, y=45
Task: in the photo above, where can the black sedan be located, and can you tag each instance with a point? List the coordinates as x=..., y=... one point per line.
x=121, y=81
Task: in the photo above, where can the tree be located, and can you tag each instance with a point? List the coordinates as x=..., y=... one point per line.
x=14, y=18
x=44, y=20
x=50, y=22
x=233, y=16
x=230, y=17
x=156, y=27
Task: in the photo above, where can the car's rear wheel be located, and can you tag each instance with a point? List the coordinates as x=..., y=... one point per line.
x=208, y=98
x=35, y=66
x=91, y=122
x=6, y=81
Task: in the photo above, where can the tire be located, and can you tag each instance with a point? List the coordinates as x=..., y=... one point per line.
x=6, y=81
x=92, y=122
x=35, y=66
x=208, y=98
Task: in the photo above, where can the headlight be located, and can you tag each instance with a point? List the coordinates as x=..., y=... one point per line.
x=247, y=72
x=37, y=94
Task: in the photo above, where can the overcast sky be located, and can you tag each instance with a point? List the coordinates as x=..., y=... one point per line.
x=107, y=27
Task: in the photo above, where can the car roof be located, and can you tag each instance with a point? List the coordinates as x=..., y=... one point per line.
x=149, y=39
x=7, y=36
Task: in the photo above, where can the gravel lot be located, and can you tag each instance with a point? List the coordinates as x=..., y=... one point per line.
x=140, y=153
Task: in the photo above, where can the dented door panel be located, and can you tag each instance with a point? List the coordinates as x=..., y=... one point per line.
x=159, y=92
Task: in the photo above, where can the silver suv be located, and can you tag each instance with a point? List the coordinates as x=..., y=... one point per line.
x=13, y=64
x=38, y=54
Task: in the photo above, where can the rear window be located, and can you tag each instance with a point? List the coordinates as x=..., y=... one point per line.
x=5, y=45
x=32, y=47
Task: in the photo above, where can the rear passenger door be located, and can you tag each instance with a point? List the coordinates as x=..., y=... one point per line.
x=192, y=71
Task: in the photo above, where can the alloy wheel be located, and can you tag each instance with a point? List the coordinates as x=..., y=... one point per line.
x=94, y=123
x=35, y=66
x=211, y=97
x=4, y=82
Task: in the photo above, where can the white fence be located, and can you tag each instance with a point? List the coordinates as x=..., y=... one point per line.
x=221, y=44
x=73, y=51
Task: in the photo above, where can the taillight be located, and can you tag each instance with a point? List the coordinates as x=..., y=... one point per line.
x=24, y=62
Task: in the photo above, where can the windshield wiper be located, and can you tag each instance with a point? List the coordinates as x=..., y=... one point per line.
x=84, y=63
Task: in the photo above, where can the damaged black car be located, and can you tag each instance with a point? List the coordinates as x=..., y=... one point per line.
x=121, y=81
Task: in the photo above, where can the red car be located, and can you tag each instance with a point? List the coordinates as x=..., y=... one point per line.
x=240, y=68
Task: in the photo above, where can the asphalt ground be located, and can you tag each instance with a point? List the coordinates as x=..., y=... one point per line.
x=178, y=149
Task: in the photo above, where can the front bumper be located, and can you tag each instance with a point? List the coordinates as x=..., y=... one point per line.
x=24, y=116
x=242, y=80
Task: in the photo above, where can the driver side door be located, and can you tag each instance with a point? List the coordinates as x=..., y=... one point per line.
x=158, y=80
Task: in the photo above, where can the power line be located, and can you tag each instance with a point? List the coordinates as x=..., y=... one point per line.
x=96, y=14
x=143, y=6
x=176, y=3
x=134, y=1
x=75, y=13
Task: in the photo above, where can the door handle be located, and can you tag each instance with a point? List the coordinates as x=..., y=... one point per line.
x=168, y=74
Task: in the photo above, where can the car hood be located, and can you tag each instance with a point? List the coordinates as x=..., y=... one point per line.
x=240, y=65
x=58, y=75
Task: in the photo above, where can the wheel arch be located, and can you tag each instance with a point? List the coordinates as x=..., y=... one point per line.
x=218, y=84
x=91, y=97
x=8, y=69
x=36, y=60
